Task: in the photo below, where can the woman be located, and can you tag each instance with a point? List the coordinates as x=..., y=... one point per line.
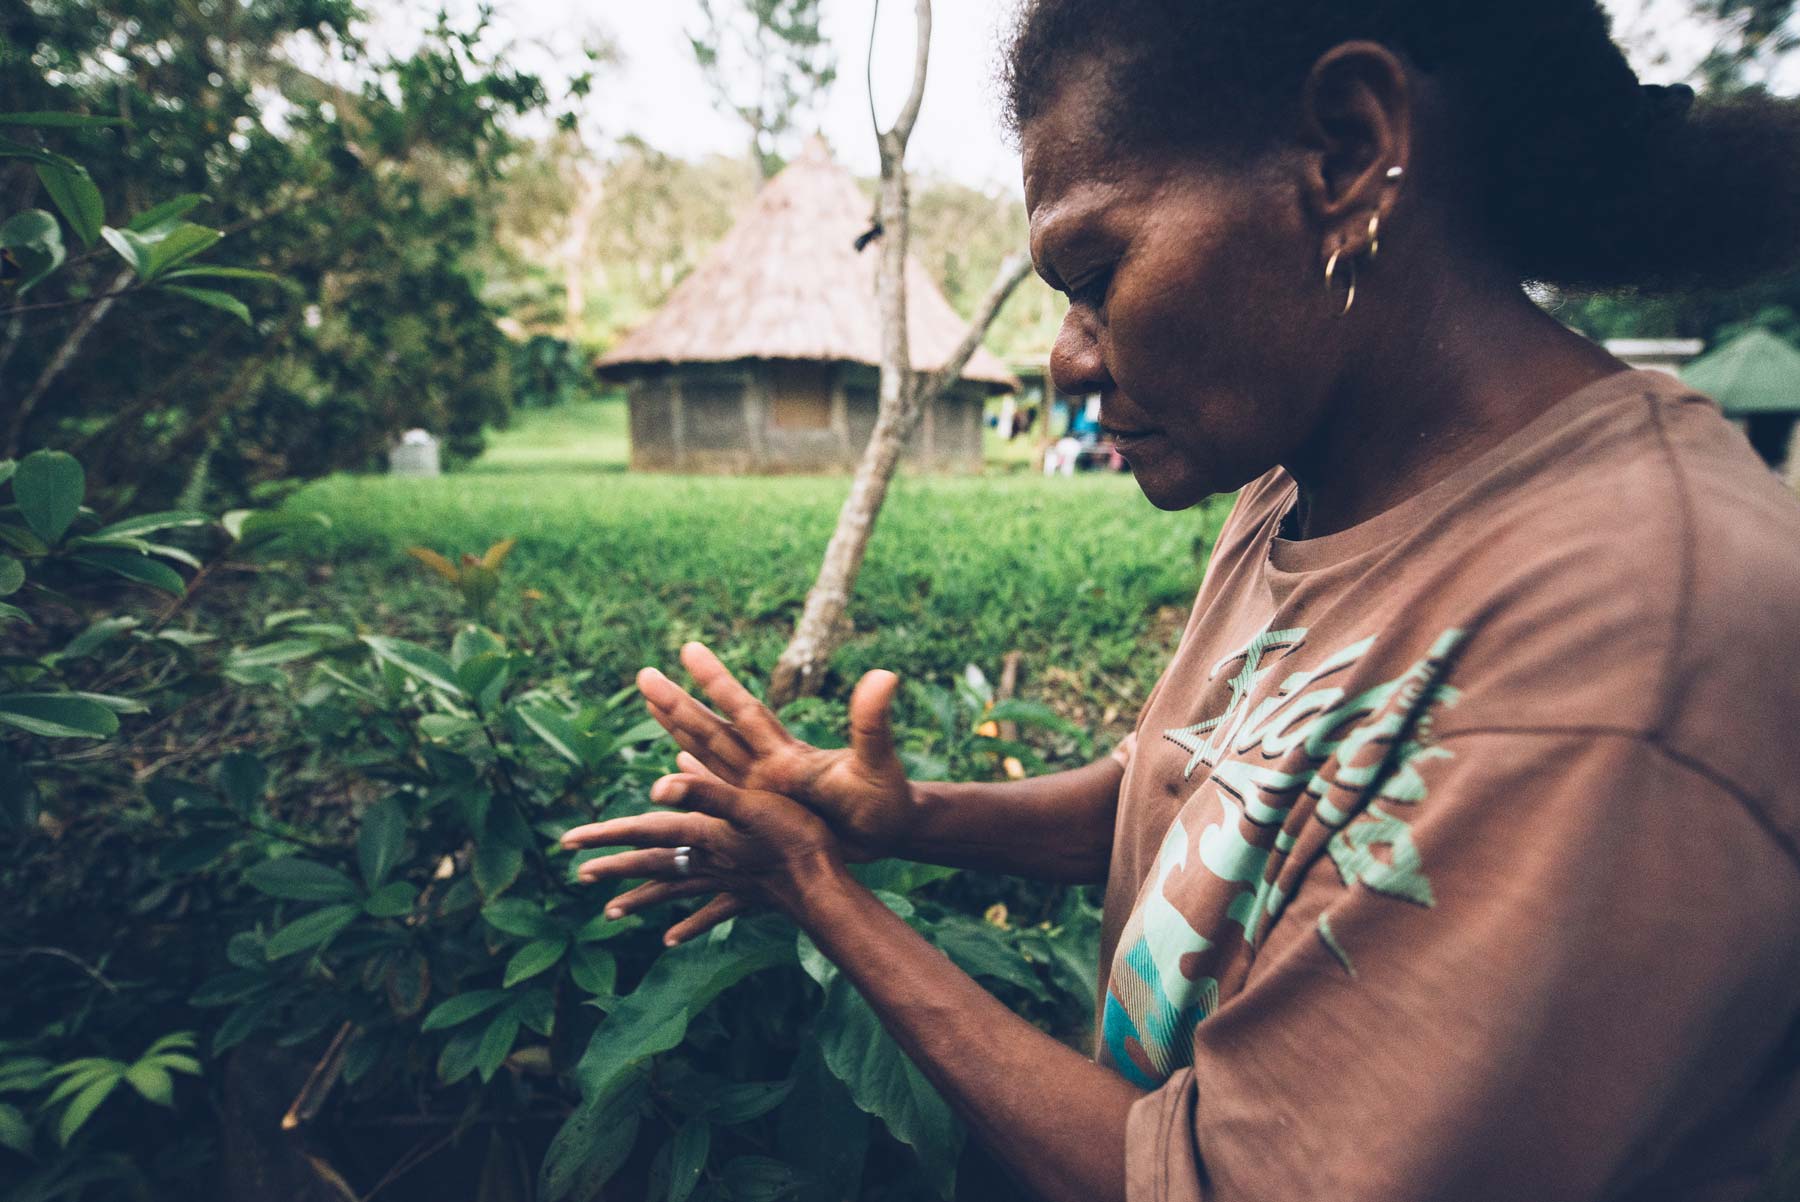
x=1459, y=853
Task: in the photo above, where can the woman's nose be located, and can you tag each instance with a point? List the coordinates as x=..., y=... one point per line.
x=1077, y=367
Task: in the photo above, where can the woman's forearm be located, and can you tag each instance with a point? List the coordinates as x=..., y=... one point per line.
x=1051, y=828
x=1052, y=1116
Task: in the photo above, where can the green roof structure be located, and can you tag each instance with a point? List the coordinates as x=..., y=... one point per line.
x=1757, y=372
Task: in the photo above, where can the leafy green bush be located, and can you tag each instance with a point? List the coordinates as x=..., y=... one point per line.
x=367, y=868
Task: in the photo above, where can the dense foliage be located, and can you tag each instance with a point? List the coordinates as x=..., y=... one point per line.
x=364, y=199
x=291, y=832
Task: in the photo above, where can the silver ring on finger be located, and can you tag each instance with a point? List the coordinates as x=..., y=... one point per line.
x=684, y=861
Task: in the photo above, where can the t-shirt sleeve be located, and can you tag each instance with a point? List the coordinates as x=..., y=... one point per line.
x=1521, y=987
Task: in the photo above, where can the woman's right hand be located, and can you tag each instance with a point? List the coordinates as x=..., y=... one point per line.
x=861, y=791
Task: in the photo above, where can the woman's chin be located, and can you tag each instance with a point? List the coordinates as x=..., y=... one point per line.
x=1176, y=486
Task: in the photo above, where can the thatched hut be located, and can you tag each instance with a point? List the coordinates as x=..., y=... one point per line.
x=765, y=359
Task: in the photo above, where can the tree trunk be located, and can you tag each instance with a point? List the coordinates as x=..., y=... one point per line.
x=902, y=398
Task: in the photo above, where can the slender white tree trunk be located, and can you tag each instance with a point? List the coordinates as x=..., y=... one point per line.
x=903, y=396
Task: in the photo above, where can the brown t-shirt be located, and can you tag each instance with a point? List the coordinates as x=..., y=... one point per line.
x=1459, y=855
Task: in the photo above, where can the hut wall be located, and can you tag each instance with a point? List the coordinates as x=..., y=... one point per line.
x=787, y=417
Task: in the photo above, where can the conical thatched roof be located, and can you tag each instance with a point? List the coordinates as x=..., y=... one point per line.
x=1756, y=372
x=788, y=283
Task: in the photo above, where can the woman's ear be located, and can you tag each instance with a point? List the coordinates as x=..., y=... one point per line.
x=1356, y=126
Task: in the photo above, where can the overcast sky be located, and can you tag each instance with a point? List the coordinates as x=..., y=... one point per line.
x=658, y=94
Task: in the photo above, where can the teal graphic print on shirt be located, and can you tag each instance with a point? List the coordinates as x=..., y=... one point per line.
x=1306, y=755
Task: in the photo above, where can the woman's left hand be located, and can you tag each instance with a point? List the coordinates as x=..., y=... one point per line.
x=745, y=845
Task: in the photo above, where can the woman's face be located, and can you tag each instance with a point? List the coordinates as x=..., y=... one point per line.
x=1198, y=310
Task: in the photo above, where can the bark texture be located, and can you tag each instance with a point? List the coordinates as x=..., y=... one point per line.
x=903, y=396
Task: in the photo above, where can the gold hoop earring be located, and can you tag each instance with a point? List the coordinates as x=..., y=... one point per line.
x=1374, y=235
x=1331, y=267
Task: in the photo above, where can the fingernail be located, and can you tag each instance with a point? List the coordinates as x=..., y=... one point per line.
x=670, y=941
x=652, y=674
x=614, y=912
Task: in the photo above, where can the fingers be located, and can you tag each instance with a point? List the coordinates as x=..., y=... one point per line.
x=656, y=862
x=641, y=830
x=733, y=699
x=707, y=794
x=655, y=893
x=691, y=764
x=714, y=912
x=695, y=728
x=871, y=717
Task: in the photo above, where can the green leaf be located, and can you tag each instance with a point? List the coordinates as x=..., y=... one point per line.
x=12, y=613
x=442, y=727
x=96, y=636
x=416, y=661
x=378, y=845
x=205, y=272
x=522, y=918
x=36, y=243
x=171, y=210
x=177, y=245
x=244, y=780
x=83, y=1107
x=194, y=852
x=1030, y=713
x=12, y=575
x=213, y=299
x=253, y=528
x=300, y=880
x=23, y=1074
x=136, y=567
x=472, y=642
x=535, y=957
x=76, y=197
x=496, y=1042
x=885, y=1083
x=58, y=716
x=315, y=929
x=682, y=983
x=741, y=1103
x=396, y=899
x=15, y=1131
x=269, y=655
x=228, y=989
x=152, y=1082
x=594, y=970
x=457, y=1060
x=553, y=728
x=49, y=487
x=463, y=1007
x=497, y=866
x=758, y=1179
x=687, y=1158
x=592, y=1145
x=982, y=951
x=129, y=245
x=152, y=523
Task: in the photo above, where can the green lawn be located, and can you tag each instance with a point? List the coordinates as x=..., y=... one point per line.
x=1082, y=575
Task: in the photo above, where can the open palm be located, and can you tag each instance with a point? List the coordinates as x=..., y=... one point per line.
x=861, y=791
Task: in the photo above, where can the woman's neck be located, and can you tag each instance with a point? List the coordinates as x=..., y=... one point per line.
x=1459, y=371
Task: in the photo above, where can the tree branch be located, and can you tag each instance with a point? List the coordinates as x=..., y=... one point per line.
x=909, y=114
x=1012, y=273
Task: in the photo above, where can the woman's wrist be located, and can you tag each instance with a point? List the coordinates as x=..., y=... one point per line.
x=809, y=881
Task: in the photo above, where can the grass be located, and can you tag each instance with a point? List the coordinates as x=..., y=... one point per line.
x=1083, y=576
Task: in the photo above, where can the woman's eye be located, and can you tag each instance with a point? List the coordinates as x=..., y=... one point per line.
x=1092, y=291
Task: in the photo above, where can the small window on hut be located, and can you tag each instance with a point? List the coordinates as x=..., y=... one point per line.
x=800, y=396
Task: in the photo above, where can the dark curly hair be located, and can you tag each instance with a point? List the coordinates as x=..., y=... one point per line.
x=1579, y=175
